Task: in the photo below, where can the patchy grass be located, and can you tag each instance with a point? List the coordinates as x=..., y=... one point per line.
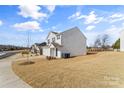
x=105, y=69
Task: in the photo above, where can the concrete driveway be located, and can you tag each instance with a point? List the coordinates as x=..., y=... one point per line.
x=8, y=78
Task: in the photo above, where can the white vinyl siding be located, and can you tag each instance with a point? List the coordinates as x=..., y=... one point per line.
x=122, y=41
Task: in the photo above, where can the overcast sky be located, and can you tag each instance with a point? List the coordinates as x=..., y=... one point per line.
x=16, y=21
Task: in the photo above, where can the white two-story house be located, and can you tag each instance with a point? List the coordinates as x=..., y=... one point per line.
x=72, y=42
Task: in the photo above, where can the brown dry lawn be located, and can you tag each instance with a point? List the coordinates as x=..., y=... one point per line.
x=104, y=69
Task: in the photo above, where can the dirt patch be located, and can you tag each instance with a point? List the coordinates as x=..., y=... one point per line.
x=27, y=63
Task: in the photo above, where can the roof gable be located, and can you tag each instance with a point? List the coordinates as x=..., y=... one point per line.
x=52, y=32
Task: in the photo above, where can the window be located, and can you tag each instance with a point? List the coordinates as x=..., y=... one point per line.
x=58, y=36
x=53, y=39
x=48, y=41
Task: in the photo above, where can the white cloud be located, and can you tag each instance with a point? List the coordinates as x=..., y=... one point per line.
x=75, y=15
x=90, y=27
x=116, y=17
x=92, y=18
x=1, y=22
x=32, y=11
x=30, y=25
x=50, y=8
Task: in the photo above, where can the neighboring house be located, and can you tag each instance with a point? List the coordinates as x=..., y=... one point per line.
x=72, y=42
x=122, y=41
x=37, y=48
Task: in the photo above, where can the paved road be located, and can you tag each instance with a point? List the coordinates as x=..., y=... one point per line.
x=7, y=54
x=8, y=78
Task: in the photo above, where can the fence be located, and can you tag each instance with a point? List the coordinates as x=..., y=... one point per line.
x=99, y=50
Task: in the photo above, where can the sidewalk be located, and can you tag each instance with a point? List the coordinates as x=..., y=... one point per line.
x=8, y=78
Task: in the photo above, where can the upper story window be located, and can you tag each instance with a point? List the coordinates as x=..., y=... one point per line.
x=48, y=41
x=58, y=36
x=53, y=39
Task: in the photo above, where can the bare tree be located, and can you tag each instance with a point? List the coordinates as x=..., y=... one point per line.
x=102, y=41
x=97, y=43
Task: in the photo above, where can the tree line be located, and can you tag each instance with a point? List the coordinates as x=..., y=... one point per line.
x=10, y=47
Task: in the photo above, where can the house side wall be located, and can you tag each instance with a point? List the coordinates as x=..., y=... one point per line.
x=74, y=42
x=122, y=41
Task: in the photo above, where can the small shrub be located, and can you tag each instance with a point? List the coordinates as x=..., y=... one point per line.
x=25, y=52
